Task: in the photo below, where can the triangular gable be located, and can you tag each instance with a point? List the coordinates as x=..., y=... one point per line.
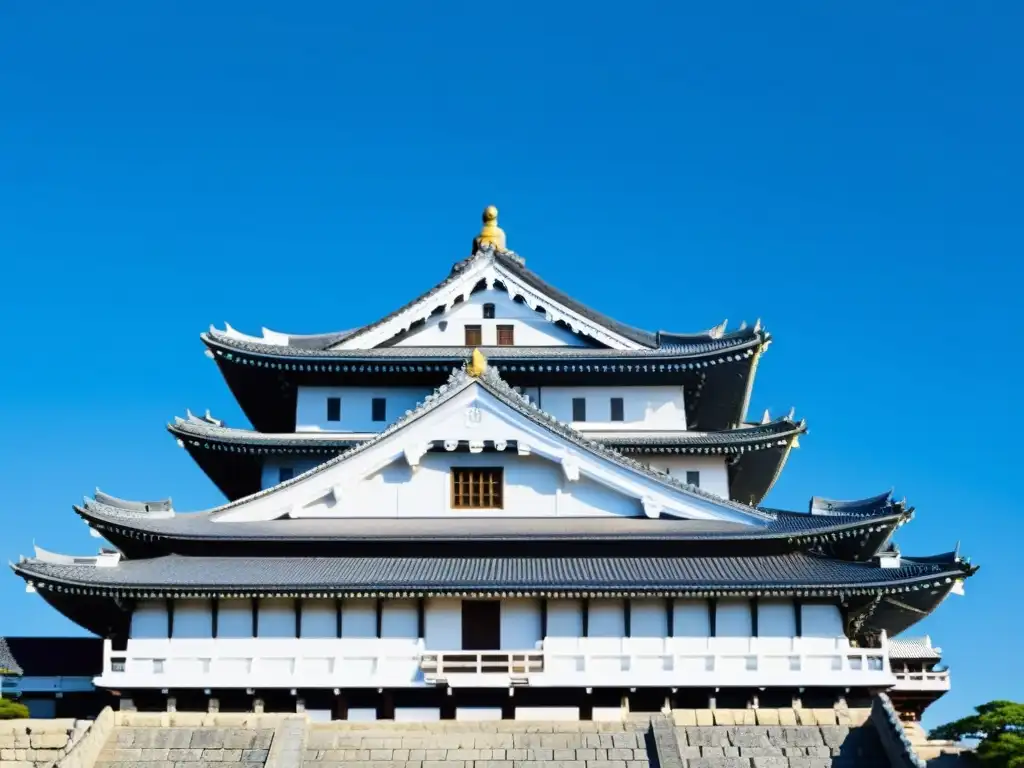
x=504, y=270
x=477, y=412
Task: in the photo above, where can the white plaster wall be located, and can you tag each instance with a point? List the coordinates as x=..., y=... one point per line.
x=356, y=407
x=442, y=622
x=565, y=619
x=648, y=618
x=276, y=617
x=691, y=618
x=821, y=620
x=399, y=619
x=193, y=618
x=714, y=476
x=358, y=618
x=776, y=618
x=644, y=408
x=606, y=618
x=520, y=624
x=319, y=618
x=531, y=328
x=271, y=472
x=533, y=487
x=149, y=620
x=234, y=618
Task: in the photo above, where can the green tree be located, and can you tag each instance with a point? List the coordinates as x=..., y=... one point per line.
x=999, y=727
x=12, y=710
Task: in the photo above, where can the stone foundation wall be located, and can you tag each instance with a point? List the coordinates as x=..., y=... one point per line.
x=491, y=744
x=38, y=743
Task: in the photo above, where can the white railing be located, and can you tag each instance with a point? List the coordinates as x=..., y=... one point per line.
x=515, y=664
x=921, y=681
x=577, y=662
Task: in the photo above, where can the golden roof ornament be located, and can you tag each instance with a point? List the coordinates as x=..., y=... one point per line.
x=477, y=364
x=490, y=233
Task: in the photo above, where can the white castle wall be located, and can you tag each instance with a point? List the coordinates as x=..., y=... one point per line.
x=531, y=328
x=645, y=408
x=714, y=475
x=521, y=620
x=593, y=642
x=356, y=407
x=533, y=487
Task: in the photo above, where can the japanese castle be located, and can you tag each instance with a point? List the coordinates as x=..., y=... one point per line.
x=497, y=502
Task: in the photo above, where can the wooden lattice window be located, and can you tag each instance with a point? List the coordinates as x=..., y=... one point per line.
x=474, y=336
x=506, y=335
x=477, y=487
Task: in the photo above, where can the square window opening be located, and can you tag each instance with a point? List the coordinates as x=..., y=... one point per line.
x=618, y=409
x=477, y=487
x=334, y=409
x=379, y=408
x=506, y=336
x=693, y=478
x=488, y=311
x=579, y=409
x=474, y=336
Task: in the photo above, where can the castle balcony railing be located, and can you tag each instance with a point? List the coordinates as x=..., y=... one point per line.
x=920, y=680
x=576, y=662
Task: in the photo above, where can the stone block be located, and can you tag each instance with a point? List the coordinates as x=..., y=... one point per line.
x=386, y=754
x=624, y=740
x=705, y=717
x=178, y=755
x=731, y=751
x=540, y=755
x=834, y=735
x=769, y=762
x=640, y=753
x=444, y=764
x=617, y=754
x=853, y=717
x=51, y=740
x=684, y=716
x=760, y=752
x=766, y=716
x=516, y=754
x=186, y=719
x=637, y=764
x=606, y=764
x=255, y=755
x=493, y=764
x=787, y=716
x=723, y=716
x=207, y=738
x=152, y=754
x=824, y=716
x=800, y=762
x=214, y=755
x=805, y=717
x=703, y=736
x=564, y=754
x=748, y=736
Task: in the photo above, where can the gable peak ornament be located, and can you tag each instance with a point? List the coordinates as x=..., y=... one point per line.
x=491, y=235
x=477, y=365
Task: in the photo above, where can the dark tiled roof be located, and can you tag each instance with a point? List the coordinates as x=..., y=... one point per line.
x=783, y=525
x=913, y=648
x=57, y=656
x=869, y=506
x=388, y=574
x=727, y=441
x=729, y=346
x=8, y=664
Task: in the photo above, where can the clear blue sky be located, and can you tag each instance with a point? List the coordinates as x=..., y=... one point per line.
x=850, y=173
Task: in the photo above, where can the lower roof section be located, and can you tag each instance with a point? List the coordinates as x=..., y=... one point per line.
x=791, y=573
x=96, y=594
